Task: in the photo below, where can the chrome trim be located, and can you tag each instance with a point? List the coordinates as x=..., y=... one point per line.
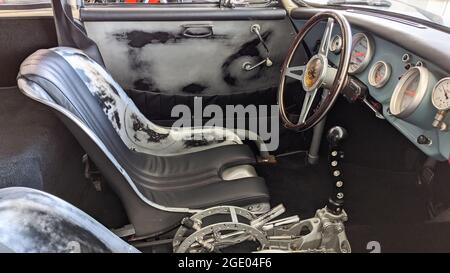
x=432, y=94
x=369, y=54
x=406, y=58
x=385, y=79
x=336, y=49
x=422, y=87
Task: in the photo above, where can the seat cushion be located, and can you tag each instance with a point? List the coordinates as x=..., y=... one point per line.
x=195, y=180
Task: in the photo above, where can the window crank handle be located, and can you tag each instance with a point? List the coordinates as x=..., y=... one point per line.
x=248, y=66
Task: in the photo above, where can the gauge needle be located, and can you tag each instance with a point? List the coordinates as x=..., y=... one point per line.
x=359, y=54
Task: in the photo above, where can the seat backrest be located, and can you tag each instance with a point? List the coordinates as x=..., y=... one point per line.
x=73, y=68
x=87, y=90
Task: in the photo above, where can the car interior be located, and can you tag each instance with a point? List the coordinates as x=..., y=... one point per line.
x=92, y=159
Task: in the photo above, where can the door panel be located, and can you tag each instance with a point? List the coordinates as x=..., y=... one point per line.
x=157, y=60
x=156, y=56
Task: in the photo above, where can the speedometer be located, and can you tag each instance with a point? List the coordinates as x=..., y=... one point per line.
x=441, y=95
x=409, y=92
x=362, y=53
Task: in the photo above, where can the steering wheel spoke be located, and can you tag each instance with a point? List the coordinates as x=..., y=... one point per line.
x=295, y=72
x=326, y=39
x=307, y=103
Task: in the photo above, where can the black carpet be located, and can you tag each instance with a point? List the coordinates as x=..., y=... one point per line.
x=382, y=197
x=409, y=238
x=302, y=189
x=383, y=206
x=37, y=151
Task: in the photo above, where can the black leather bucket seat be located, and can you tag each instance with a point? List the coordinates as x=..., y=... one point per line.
x=160, y=174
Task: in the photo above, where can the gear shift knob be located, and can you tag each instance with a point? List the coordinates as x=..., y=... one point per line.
x=336, y=135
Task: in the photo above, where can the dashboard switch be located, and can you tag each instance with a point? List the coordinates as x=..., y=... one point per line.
x=406, y=57
x=423, y=140
x=354, y=90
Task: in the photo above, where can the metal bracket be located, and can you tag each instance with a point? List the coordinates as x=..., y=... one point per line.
x=205, y=232
x=375, y=110
x=439, y=121
x=92, y=173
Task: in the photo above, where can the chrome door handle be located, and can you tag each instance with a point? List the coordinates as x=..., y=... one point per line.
x=197, y=30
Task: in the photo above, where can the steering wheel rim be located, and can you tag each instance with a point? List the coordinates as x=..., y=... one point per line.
x=340, y=78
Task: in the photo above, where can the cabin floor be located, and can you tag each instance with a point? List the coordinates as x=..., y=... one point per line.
x=383, y=200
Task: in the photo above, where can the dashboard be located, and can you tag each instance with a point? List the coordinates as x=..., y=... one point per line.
x=413, y=92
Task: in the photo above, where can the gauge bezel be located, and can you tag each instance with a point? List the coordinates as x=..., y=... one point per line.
x=432, y=94
x=336, y=50
x=386, y=77
x=370, y=51
x=422, y=88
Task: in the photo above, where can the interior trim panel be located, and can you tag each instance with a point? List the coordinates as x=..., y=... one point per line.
x=108, y=13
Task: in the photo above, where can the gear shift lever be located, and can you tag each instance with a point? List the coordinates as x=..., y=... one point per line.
x=335, y=137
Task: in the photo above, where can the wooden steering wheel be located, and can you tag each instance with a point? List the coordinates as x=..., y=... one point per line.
x=317, y=73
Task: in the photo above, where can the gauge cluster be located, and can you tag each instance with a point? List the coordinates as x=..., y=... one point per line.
x=414, y=94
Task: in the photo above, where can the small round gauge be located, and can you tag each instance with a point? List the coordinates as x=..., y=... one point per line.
x=362, y=52
x=409, y=92
x=441, y=95
x=379, y=74
x=336, y=44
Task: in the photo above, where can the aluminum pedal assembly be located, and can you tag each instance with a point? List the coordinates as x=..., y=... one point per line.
x=217, y=228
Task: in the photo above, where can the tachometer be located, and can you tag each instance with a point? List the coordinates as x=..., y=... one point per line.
x=379, y=74
x=362, y=52
x=409, y=92
x=441, y=95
